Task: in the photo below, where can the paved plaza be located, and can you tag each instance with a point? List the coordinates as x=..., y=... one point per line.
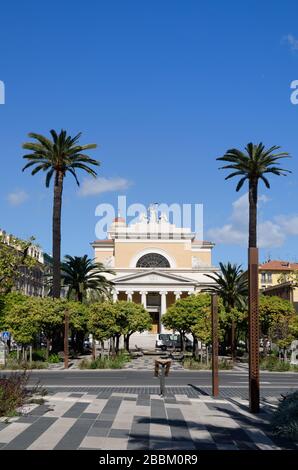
x=138, y=418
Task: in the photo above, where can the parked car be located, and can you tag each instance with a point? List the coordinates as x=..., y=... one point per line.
x=172, y=341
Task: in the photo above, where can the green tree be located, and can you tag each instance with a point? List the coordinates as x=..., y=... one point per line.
x=190, y=315
x=14, y=255
x=277, y=316
x=21, y=317
x=83, y=276
x=253, y=165
x=56, y=157
x=102, y=321
x=231, y=286
x=131, y=318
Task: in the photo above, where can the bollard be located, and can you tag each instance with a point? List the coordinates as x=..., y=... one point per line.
x=161, y=370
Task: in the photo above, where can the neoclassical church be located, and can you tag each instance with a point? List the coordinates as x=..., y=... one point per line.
x=155, y=263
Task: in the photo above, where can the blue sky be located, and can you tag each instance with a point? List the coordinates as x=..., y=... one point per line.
x=163, y=87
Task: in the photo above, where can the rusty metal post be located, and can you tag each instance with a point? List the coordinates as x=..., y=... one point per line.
x=254, y=333
x=66, y=333
x=214, y=328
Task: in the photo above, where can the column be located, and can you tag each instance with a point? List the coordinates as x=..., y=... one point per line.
x=177, y=295
x=129, y=295
x=144, y=298
x=115, y=296
x=163, y=308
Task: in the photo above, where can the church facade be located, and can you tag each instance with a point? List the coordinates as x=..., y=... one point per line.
x=155, y=263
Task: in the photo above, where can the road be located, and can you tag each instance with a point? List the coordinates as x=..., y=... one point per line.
x=272, y=383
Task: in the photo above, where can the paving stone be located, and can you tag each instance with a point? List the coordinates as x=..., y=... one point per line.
x=73, y=438
x=40, y=410
x=27, y=419
x=76, y=410
x=29, y=435
x=89, y=415
x=123, y=433
x=95, y=431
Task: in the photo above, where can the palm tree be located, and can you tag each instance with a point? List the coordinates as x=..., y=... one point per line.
x=231, y=286
x=253, y=165
x=83, y=276
x=56, y=157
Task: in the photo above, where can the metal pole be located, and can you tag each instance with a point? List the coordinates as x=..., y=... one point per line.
x=66, y=333
x=253, y=325
x=162, y=381
x=214, y=322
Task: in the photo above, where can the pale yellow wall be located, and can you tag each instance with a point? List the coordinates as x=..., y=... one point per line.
x=125, y=252
x=275, y=276
x=205, y=256
x=100, y=256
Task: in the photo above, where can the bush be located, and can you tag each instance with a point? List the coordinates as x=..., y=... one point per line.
x=116, y=362
x=285, y=418
x=39, y=355
x=272, y=364
x=13, y=364
x=194, y=364
x=54, y=359
x=13, y=393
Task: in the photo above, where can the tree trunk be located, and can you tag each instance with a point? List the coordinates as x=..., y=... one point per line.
x=195, y=350
x=233, y=352
x=113, y=346
x=117, y=343
x=57, y=203
x=47, y=348
x=253, y=203
x=182, y=342
x=126, y=342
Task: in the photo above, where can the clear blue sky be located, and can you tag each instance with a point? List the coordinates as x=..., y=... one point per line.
x=164, y=87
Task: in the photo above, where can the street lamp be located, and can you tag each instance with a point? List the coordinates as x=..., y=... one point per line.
x=66, y=334
x=214, y=329
x=253, y=326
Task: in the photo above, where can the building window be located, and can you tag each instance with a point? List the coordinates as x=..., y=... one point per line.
x=153, y=260
x=266, y=278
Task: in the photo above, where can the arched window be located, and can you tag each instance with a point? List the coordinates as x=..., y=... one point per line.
x=153, y=260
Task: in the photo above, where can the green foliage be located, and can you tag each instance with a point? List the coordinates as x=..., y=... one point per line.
x=83, y=276
x=272, y=364
x=231, y=285
x=116, y=362
x=102, y=320
x=285, y=419
x=26, y=317
x=194, y=364
x=192, y=315
x=60, y=153
x=254, y=163
x=22, y=317
x=131, y=317
x=54, y=359
x=13, y=255
x=13, y=393
x=277, y=319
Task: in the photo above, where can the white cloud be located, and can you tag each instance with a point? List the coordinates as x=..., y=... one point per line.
x=289, y=223
x=91, y=187
x=270, y=233
x=17, y=197
x=291, y=41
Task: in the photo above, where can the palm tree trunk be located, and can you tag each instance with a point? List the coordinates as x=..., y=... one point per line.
x=253, y=203
x=57, y=203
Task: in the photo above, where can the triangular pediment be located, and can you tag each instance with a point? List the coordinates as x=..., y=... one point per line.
x=152, y=277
